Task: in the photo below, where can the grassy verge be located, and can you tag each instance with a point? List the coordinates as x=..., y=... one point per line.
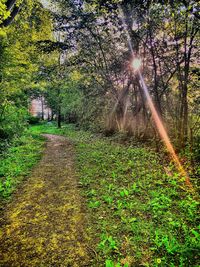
x=140, y=214
x=68, y=130
x=17, y=162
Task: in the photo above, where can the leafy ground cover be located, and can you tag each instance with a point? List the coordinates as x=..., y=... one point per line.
x=44, y=224
x=142, y=216
x=139, y=213
x=16, y=161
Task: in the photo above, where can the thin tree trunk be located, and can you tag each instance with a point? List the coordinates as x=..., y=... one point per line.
x=59, y=118
x=12, y=16
x=42, y=106
x=155, y=67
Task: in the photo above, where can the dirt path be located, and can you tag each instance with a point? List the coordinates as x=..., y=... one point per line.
x=44, y=224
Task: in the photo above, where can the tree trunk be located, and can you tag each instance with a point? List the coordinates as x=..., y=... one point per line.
x=155, y=75
x=42, y=106
x=12, y=16
x=10, y=4
x=185, y=115
x=59, y=117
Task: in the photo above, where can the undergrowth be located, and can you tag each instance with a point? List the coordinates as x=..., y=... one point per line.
x=140, y=212
x=17, y=160
x=143, y=217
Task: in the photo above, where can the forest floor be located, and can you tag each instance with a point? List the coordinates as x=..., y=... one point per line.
x=44, y=224
x=91, y=201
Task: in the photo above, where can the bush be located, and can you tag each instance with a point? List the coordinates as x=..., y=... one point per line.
x=3, y=134
x=33, y=120
x=12, y=122
x=196, y=148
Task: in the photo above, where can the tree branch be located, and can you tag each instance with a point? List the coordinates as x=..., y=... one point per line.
x=13, y=14
x=10, y=4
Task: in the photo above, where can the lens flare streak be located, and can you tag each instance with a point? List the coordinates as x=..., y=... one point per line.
x=156, y=118
x=162, y=131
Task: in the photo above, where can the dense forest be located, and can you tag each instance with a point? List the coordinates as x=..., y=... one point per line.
x=78, y=56
x=121, y=80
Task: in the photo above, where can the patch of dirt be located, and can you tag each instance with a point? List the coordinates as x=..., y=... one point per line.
x=44, y=224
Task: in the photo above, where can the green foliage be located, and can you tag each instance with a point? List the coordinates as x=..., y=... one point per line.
x=107, y=244
x=17, y=161
x=71, y=94
x=139, y=215
x=94, y=204
x=196, y=148
x=12, y=121
x=108, y=97
x=68, y=130
x=110, y=263
x=33, y=120
x=147, y=214
x=19, y=64
x=143, y=216
x=4, y=13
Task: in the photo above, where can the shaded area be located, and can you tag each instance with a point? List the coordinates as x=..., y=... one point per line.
x=44, y=225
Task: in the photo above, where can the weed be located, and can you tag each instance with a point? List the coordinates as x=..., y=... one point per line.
x=94, y=204
x=17, y=162
x=110, y=263
x=145, y=213
x=107, y=244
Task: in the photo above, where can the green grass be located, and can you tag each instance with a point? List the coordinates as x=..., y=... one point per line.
x=68, y=130
x=138, y=214
x=142, y=216
x=17, y=161
x=24, y=152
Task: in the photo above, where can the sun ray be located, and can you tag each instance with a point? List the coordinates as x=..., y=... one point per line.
x=136, y=64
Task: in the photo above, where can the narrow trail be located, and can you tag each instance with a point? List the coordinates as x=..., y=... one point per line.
x=44, y=224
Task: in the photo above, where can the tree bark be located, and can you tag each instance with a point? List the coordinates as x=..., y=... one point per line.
x=155, y=75
x=42, y=106
x=59, y=117
x=13, y=14
x=10, y=4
